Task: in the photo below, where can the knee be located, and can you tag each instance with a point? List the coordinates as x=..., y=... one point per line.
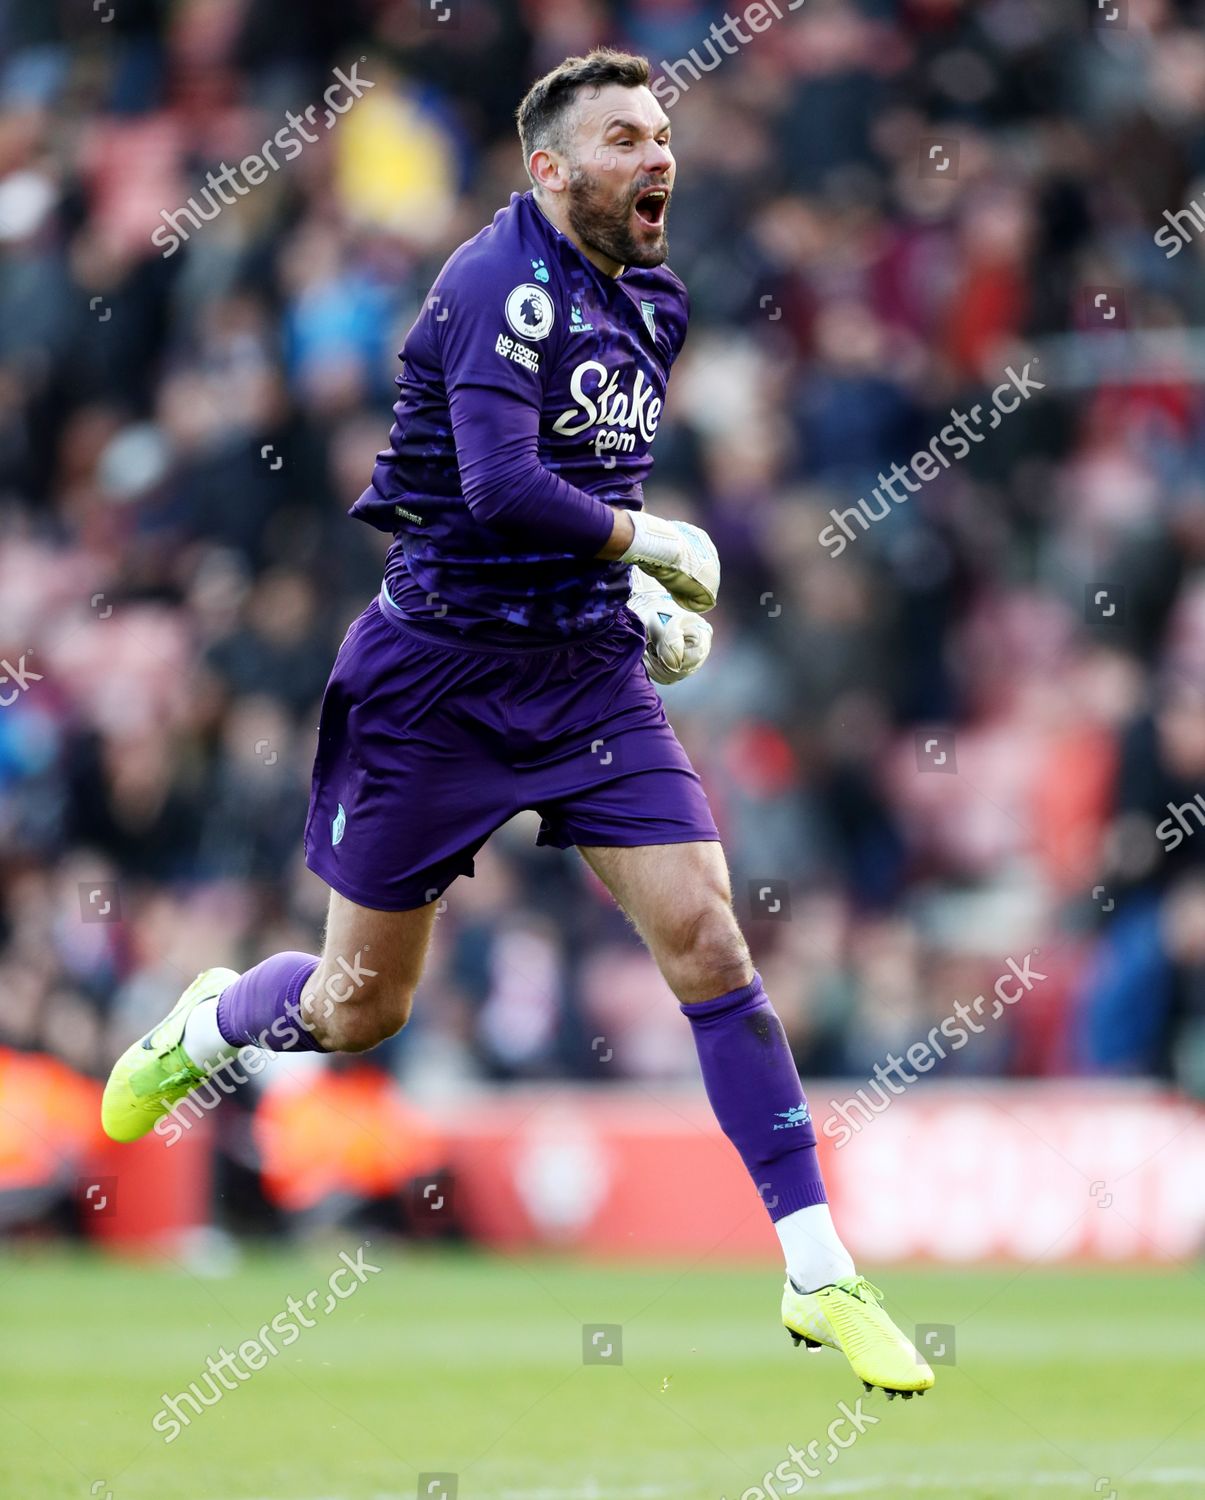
x=707, y=954
x=344, y=1018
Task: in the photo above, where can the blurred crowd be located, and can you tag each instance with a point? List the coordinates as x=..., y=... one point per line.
x=952, y=744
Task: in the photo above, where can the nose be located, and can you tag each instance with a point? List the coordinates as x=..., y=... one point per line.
x=658, y=159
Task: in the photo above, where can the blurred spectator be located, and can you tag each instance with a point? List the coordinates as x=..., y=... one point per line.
x=180, y=436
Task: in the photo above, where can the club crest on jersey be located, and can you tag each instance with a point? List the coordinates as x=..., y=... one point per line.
x=530, y=312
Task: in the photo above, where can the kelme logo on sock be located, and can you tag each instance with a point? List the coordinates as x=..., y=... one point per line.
x=338, y=824
x=796, y=1115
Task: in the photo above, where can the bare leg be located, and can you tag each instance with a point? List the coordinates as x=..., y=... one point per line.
x=362, y=990
x=679, y=899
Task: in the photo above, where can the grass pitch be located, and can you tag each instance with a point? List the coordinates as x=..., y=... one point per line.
x=1067, y=1384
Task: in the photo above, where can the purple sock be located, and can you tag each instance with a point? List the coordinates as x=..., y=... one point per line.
x=261, y=1008
x=754, y=1089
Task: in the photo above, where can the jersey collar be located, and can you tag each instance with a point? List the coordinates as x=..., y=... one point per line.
x=645, y=307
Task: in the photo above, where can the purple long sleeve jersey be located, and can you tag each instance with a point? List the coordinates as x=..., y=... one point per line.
x=531, y=389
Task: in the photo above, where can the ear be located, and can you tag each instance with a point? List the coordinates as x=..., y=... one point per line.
x=549, y=171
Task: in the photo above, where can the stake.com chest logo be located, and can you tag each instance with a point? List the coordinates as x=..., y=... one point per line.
x=603, y=402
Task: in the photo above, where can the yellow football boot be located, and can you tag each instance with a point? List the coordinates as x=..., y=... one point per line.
x=847, y=1316
x=153, y=1075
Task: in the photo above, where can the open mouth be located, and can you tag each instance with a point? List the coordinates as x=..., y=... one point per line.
x=650, y=207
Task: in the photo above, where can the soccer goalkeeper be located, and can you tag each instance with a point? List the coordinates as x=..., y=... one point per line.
x=528, y=600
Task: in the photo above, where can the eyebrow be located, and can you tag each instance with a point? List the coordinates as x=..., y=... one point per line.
x=625, y=122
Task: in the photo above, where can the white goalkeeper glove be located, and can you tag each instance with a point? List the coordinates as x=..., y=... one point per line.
x=678, y=639
x=679, y=555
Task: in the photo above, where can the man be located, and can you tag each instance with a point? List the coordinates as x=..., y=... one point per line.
x=501, y=669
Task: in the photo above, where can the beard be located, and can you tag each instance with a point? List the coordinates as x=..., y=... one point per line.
x=605, y=223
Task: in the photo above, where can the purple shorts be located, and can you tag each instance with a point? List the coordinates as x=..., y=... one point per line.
x=426, y=746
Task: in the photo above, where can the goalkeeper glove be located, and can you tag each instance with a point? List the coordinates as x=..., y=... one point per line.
x=677, y=639
x=679, y=555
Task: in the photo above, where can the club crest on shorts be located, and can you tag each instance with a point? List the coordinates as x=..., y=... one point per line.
x=530, y=312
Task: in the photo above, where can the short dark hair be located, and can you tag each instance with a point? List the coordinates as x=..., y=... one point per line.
x=544, y=113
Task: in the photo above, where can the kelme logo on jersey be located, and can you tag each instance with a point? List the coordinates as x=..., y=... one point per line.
x=603, y=401
x=530, y=312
